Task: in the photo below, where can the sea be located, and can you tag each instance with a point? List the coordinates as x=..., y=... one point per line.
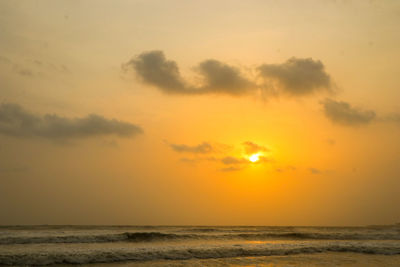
x=270, y=246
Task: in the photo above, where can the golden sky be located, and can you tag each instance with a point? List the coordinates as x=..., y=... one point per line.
x=152, y=112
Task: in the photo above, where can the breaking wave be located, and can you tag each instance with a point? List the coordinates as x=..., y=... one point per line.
x=85, y=257
x=132, y=237
x=159, y=236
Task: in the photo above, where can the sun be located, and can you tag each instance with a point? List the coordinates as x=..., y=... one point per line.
x=254, y=158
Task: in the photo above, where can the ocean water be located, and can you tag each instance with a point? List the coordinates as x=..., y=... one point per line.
x=200, y=246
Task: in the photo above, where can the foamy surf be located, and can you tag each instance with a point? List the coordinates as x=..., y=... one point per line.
x=85, y=245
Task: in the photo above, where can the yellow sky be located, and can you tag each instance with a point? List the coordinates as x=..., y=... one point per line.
x=176, y=89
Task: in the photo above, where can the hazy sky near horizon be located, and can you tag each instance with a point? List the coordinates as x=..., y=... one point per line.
x=149, y=112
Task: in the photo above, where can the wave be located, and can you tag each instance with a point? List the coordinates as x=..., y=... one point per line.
x=86, y=257
x=321, y=236
x=159, y=236
x=63, y=239
x=156, y=236
x=106, y=238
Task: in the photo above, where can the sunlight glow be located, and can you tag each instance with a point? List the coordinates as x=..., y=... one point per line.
x=254, y=157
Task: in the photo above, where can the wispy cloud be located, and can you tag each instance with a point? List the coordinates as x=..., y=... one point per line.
x=343, y=113
x=33, y=67
x=252, y=148
x=230, y=160
x=18, y=122
x=230, y=169
x=315, y=170
x=221, y=154
x=202, y=148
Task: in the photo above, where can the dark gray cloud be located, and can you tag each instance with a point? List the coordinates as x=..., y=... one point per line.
x=298, y=76
x=343, y=113
x=252, y=148
x=202, y=148
x=222, y=78
x=154, y=69
x=16, y=121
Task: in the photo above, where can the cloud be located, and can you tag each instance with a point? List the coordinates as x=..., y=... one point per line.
x=343, y=113
x=202, y=148
x=261, y=159
x=252, y=148
x=23, y=71
x=320, y=171
x=222, y=155
x=16, y=121
x=222, y=78
x=229, y=160
x=394, y=117
x=298, y=76
x=230, y=169
x=314, y=171
x=154, y=69
x=109, y=143
x=189, y=160
x=287, y=168
x=30, y=68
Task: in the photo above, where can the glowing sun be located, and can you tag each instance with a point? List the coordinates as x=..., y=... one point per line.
x=254, y=157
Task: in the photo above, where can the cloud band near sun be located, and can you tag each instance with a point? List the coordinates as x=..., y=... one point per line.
x=227, y=159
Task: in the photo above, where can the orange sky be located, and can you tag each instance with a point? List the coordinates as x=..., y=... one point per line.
x=146, y=112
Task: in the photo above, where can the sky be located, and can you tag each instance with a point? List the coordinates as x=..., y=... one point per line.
x=199, y=112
